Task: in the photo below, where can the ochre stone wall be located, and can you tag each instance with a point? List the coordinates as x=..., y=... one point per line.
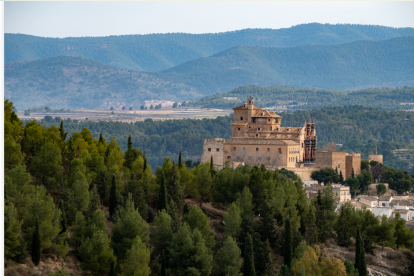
x=216, y=147
x=375, y=157
x=353, y=161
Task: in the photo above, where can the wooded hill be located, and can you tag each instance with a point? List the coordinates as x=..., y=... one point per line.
x=74, y=82
x=70, y=82
x=359, y=129
x=313, y=66
x=306, y=98
x=156, y=52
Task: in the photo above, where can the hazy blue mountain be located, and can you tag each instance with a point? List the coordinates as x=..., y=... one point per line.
x=73, y=82
x=157, y=52
x=338, y=67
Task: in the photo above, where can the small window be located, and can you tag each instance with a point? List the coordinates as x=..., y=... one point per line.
x=257, y=149
x=268, y=120
x=228, y=157
x=280, y=150
x=209, y=149
x=239, y=129
x=259, y=128
x=234, y=148
x=241, y=118
x=257, y=135
x=217, y=149
x=268, y=149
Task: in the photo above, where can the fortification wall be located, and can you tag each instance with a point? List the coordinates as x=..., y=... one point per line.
x=353, y=161
x=375, y=157
x=304, y=172
x=213, y=148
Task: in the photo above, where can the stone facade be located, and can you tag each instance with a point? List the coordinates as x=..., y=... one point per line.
x=258, y=138
x=375, y=157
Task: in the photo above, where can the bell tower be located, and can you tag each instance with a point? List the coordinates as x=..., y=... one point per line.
x=250, y=106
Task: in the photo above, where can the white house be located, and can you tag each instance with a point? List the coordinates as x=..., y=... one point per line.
x=384, y=201
x=380, y=211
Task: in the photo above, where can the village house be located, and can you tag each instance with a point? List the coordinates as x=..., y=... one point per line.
x=341, y=193
x=370, y=201
x=359, y=206
x=380, y=211
x=384, y=201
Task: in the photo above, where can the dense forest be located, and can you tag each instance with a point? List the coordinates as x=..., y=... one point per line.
x=155, y=52
x=73, y=194
x=73, y=82
x=339, y=67
x=306, y=98
x=358, y=128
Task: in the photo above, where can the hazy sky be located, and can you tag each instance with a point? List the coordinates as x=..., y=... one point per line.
x=64, y=19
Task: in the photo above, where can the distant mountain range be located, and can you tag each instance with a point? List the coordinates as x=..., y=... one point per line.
x=73, y=82
x=43, y=71
x=156, y=52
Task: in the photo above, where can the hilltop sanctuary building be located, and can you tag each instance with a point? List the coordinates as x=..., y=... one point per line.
x=257, y=138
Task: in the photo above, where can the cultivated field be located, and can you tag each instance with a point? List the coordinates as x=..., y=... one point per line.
x=130, y=115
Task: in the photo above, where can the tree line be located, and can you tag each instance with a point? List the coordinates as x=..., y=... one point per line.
x=359, y=129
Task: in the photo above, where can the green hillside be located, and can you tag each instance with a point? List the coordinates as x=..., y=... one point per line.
x=306, y=98
x=314, y=66
x=359, y=129
x=156, y=52
x=73, y=82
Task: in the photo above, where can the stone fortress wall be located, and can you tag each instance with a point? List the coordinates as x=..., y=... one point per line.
x=213, y=148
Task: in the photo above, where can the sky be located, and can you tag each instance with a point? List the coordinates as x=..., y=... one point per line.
x=77, y=19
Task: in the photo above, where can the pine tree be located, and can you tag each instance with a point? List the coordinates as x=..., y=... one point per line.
x=247, y=227
x=162, y=196
x=180, y=164
x=163, y=265
x=360, y=262
x=287, y=243
x=227, y=260
x=36, y=245
x=138, y=196
x=248, y=265
x=95, y=201
x=113, y=201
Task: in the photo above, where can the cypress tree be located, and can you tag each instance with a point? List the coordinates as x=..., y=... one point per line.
x=287, y=243
x=341, y=177
x=63, y=222
x=267, y=225
x=342, y=227
x=180, y=164
x=352, y=174
x=36, y=245
x=63, y=134
x=101, y=139
x=138, y=195
x=311, y=235
x=262, y=258
x=113, y=201
x=248, y=265
x=163, y=265
x=112, y=272
x=360, y=262
x=174, y=190
x=186, y=209
x=145, y=164
x=211, y=165
x=162, y=196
